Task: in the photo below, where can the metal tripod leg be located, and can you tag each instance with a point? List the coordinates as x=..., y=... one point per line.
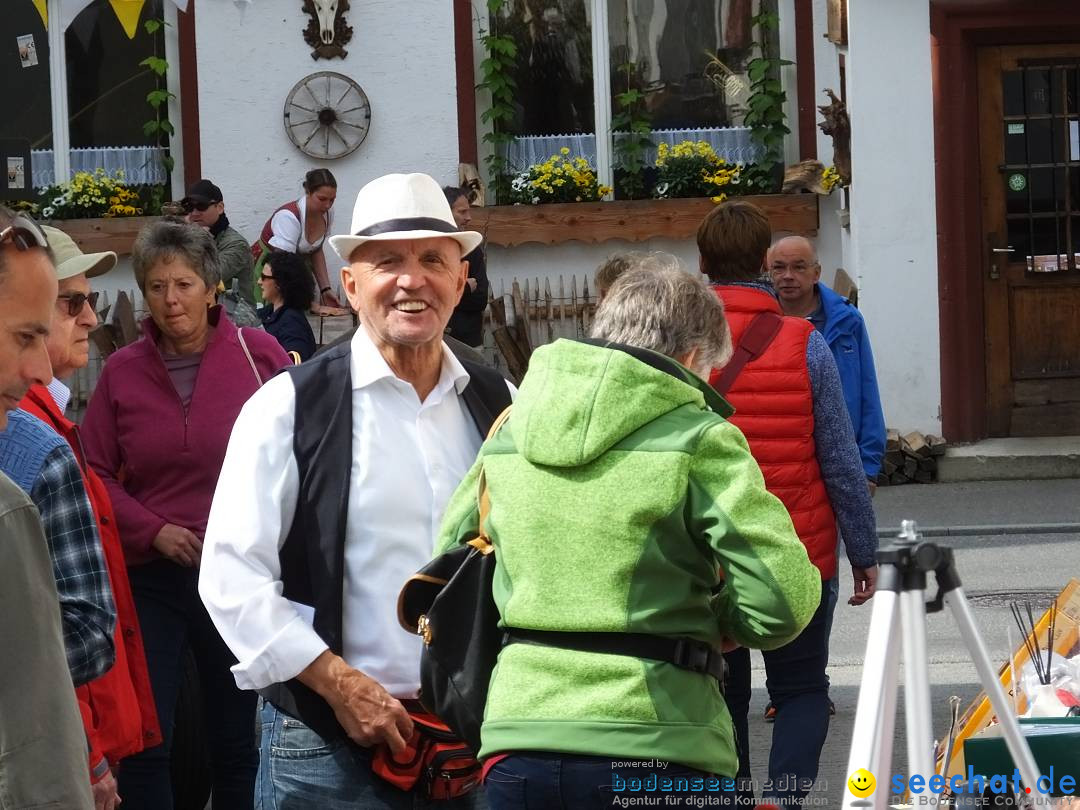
x=920, y=730
x=875, y=713
x=1014, y=738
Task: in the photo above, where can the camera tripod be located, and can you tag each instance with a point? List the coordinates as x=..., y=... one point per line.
x=899, y=614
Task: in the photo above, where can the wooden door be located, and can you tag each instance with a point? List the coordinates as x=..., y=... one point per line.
x=1029, y=142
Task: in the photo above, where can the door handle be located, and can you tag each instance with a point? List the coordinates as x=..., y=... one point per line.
x=997, y=258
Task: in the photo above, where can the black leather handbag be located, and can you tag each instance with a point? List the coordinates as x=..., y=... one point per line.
x=449, y=604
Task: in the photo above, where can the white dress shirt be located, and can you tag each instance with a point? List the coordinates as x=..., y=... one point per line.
x=407, y=459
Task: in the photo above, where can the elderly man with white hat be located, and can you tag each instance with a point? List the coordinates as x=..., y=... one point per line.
x=333, y=487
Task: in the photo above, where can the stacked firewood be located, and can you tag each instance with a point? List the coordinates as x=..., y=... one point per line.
x=911, y=457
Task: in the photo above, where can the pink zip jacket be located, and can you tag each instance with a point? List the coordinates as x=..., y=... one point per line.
x=159, y=463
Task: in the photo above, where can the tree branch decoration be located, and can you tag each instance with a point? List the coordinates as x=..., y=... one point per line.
x=838, y=126
x=327, y=32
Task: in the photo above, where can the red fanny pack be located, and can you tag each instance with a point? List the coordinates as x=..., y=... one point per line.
x=442, y=765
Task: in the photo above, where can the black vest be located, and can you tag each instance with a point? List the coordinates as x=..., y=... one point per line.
x=312, y=557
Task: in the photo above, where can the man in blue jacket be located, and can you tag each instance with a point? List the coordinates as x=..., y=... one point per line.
x=794, y=270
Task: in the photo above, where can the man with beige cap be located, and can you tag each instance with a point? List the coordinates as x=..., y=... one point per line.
x=117, y=708
x=332, y=490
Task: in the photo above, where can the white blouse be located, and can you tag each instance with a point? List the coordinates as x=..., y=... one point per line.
x=290, y=233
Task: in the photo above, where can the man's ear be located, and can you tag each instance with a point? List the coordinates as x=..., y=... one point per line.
x=351, y=288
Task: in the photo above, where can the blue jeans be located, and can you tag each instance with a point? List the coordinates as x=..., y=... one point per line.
x=546, y=781
x=172, y=617
x=299, y=770
x=799, y=689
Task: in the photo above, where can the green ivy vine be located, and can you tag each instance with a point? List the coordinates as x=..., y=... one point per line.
x=765, y=108
x=496, y=78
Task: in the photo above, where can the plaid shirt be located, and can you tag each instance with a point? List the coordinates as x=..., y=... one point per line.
x=87, y=609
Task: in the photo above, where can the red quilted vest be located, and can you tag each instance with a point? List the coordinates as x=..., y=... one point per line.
x=774, y=408
x=118, y=708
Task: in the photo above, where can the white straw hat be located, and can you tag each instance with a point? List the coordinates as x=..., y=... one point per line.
x=402, y=206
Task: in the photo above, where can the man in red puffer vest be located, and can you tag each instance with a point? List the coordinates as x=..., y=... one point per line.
x=789, y=404
x=118, y=708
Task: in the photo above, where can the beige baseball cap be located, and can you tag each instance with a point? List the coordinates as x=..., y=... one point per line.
x=70, y=261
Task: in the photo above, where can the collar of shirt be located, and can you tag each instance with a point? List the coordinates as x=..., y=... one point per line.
x=60, y=393
x=368, y=366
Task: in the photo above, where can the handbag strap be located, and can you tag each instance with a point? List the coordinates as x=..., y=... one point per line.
x=247, y=354
x=483, y=497
x=754, y=341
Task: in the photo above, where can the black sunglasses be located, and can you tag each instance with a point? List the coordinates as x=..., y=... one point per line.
x=24, y=233
x=76, y=302
x=193, y=205
x=265, y=277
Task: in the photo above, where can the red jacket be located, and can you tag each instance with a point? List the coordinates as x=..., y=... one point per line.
x=774, y=408
x=117, y=708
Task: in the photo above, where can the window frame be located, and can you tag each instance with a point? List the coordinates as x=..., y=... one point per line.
x=790, y=48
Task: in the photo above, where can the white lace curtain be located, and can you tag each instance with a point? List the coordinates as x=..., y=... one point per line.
x=141, y=165
x=731, y=143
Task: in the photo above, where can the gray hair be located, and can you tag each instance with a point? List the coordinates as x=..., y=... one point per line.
x=172, y=239
x=655, y=304
x=7, y=217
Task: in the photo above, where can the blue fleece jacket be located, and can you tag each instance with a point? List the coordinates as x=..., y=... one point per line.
x=845, y=332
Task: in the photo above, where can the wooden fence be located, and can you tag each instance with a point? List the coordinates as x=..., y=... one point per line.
x=532, y=313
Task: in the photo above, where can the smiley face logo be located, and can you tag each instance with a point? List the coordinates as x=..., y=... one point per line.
x=861, y=783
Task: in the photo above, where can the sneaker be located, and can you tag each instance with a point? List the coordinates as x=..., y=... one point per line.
x=770, y=712
x=832, y=708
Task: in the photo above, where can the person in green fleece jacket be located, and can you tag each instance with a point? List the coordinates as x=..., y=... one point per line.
x=623, y=501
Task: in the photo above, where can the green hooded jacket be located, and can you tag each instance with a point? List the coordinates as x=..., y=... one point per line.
x=618, y=491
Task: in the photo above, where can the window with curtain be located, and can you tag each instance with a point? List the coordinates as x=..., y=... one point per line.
x=687, y=58
x=106, y=89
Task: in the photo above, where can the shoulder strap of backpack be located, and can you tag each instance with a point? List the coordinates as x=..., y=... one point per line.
x=761, y=332
x=483, y=497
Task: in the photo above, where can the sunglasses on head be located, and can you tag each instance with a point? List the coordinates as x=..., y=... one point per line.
x=196, y=205
x=77, y=300
x=24, y=233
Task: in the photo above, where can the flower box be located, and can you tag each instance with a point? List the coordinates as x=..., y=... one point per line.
x=632, y=220
x=96, y=235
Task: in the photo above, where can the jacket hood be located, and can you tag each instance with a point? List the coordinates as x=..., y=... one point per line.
x=580, y=398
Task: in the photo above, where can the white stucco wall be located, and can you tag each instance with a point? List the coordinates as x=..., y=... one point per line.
x=889, y=248
x=251, y=55
x=893, y=248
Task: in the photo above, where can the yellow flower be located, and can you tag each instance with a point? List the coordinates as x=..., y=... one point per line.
x=565, y=150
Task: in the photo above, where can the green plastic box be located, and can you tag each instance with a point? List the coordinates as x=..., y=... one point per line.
x=1054, y=742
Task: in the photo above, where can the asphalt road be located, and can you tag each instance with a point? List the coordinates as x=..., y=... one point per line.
x=992, y=569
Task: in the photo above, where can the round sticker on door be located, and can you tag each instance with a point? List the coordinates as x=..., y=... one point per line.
x=1017, y=182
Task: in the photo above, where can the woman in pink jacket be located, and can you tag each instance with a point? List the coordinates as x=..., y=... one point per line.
x=156, y=430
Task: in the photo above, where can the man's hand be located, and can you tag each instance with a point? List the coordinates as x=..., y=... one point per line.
x=105, y=795
x=865, y=582
x=872, y=486
x=180, y=545
x=365, y=710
